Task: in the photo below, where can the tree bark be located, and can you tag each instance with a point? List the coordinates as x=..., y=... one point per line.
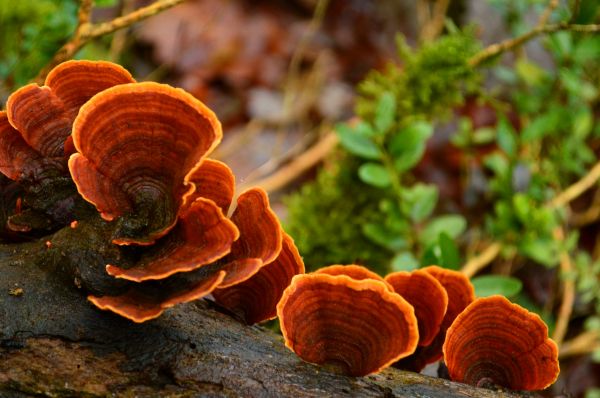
x=53, y=343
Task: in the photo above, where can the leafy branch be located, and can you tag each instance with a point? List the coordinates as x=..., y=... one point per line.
x=87, y=31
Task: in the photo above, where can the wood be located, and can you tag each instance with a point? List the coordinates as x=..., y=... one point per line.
x=53, y=343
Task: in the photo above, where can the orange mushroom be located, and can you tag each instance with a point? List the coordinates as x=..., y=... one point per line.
x=354, y=271
x=356, y=326
x=150, y=299
x=44, y=115
x=18, y=161
x=137, y=146
x=426, y=295
x=202, y=236
x=260, y=237
x=36, y=130
x=460, y=294
x=256, y=298
x=496, y=342
x=213, y=180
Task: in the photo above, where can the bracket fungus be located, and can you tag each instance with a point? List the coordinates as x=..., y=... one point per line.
x=137, y=145
x=427, y=296
x=256, y=298
x=354, y=271
x=152, y=228
x=357, y=327
x=35, y=135
x=460, y=294
x=496, y=342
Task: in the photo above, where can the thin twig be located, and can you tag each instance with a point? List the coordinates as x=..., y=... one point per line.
x=585, y=343
x=545, y=17
x=433, y=27
x=575, y=190
x=488, y=255
x=85, y=31
x=480, y=261
x=510, y=44
x=120, y=37
x=299, y=165
x=568, y=297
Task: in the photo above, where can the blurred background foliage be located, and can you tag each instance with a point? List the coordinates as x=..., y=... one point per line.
x=439, y=161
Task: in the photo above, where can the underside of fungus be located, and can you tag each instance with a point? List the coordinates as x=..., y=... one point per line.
x=357, y=327
x=460, y=294
x=427, y=296
x=255, y=299
x=496, y=342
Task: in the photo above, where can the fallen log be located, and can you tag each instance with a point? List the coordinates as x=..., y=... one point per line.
x=54, y=343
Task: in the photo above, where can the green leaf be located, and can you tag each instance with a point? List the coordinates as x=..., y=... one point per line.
x=414, y=134
x=409, y=159
x=452, y=224
x=420, y=200
x=507, y=139
x=431, y=256
x=105, y=3
x=539, y=127
x=497, y=163
x=583, y=123
x=529, y=72
x=356, y=143
x=377, y=233
x=484, y=135
x=489, y=285
x=450, y=256
x=374, y=174
x=404, y=261
x=544, y=251
x=385, y=112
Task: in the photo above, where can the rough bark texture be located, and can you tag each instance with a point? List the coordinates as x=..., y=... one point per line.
x=53, y=343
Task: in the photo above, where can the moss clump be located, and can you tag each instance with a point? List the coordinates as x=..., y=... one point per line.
x=326, y=217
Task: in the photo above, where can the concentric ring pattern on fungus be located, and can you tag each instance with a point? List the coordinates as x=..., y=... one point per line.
x=494, y=341
x=355, y=326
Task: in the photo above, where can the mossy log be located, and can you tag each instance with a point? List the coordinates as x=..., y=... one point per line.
x=54, y=343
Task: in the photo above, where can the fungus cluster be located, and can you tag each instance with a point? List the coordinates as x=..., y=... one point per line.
x=351, y=319
x=138, y=153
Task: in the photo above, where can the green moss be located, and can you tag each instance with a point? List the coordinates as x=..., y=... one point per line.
x=326, y=217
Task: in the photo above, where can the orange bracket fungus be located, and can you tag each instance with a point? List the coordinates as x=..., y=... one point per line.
x=427, y=296
x=353, y=271
x=256, y=298
x=496, y=342
x=137, y=145
x=35, y=135
x=460, y=294
x=356, y=326
x=151, y=208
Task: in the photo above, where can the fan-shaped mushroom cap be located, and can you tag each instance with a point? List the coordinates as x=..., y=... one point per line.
x=427, y=296
x=495, y=341
x=75, y=82
x=213, y=180
x=359, y=326
x=256, y=298
x=149, y=300
x=202, y=235
x=137, y=145
x=354, y=271
x=44, y=115
x=260, y=237
x=18, y=161
x=460, y=294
